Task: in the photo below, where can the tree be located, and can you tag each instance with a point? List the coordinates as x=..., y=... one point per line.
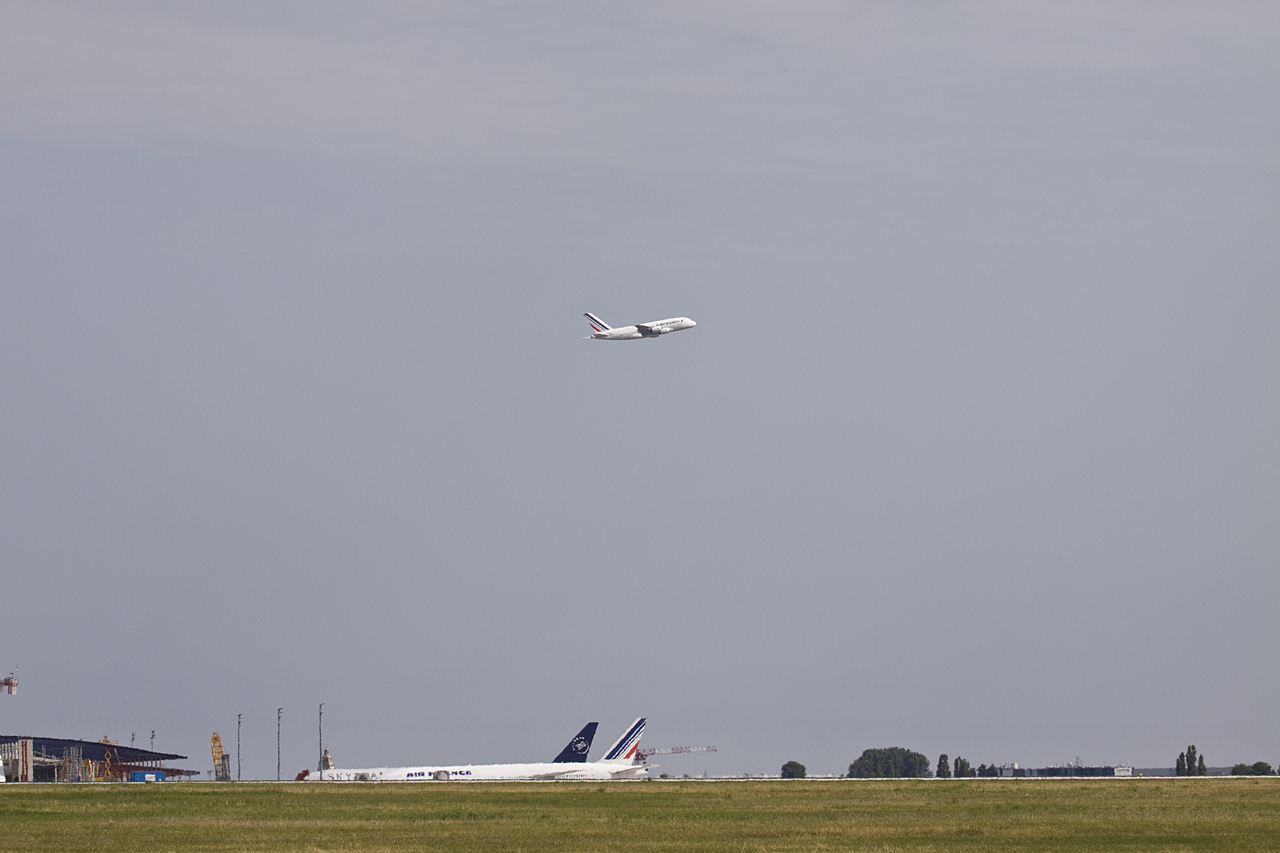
x=1201, y=770
x=793, y=770
x=944, y=767
x=891, y=763
x=1191, y=760
x=1260, y=768
x=962, y=769
x=1180, y=768
x=988, y=770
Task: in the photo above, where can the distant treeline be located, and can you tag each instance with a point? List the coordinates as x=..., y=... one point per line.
x=891, y=763
x=1191, y=763
x=1186, y=765
x=895, y=762
x=1258, y=768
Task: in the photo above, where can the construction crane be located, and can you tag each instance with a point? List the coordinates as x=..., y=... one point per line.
x=643, y=754
x=9, y=684
x=221, y=761
x=109, y=768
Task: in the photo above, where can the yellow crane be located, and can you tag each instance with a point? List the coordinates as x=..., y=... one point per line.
x=221, y=761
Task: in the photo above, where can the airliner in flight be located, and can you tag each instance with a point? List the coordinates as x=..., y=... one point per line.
x=618, y=763
x=602, y=331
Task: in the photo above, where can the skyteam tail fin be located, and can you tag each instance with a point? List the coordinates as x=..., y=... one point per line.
x=597, y=324
x=624, y=748
x=578, y=748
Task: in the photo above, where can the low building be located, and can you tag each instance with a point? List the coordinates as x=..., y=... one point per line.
x=1066, y=770
x=51, y=759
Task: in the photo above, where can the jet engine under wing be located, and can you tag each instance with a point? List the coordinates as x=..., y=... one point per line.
x=647, y=331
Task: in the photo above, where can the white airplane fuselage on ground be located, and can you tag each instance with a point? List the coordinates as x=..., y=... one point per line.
x=590, y=771
x=618, y=763
x=602, y=331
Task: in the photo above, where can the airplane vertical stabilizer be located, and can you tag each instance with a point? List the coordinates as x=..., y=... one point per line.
x=597, y=324
x=624, y=748
x=576, y=751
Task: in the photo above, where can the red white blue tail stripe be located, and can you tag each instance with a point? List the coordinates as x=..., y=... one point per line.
x=624, y=749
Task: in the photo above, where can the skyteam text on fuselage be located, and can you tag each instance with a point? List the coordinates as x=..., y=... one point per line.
x=618, y=763
x=602, y=331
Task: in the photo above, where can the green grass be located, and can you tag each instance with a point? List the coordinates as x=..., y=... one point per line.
x=1235, y=814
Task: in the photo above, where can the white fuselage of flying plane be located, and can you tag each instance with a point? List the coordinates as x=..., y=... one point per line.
x=602, y=331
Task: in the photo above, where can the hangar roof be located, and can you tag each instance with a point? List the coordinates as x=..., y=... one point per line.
x=92, y=750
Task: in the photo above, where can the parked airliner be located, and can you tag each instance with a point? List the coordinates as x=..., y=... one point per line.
x=602, y=331
x=618, y=763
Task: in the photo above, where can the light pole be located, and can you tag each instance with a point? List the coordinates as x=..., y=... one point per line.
x=320, y=765
x=279, y=711
x=153, y=740
x=238, y=746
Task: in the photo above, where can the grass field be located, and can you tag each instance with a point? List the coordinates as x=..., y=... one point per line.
x=1236, y=814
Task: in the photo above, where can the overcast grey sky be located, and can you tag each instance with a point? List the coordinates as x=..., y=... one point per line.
x=974, y=448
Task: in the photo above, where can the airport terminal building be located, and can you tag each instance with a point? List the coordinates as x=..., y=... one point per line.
x=51, y=759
